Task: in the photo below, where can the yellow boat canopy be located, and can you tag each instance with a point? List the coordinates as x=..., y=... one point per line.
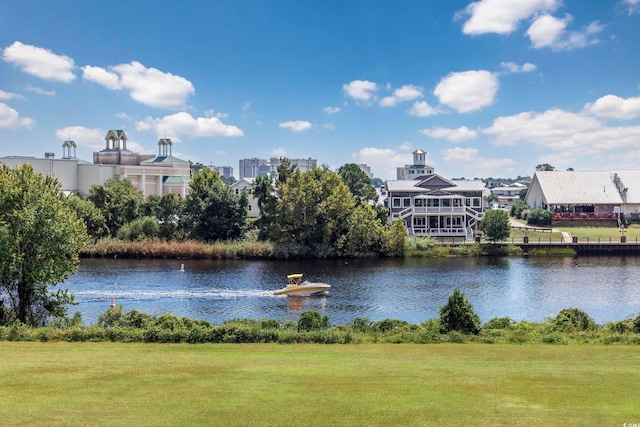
x=295, y=276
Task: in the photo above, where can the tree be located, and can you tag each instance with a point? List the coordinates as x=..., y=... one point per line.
x=40, y=236
x=118, y=200
x=545, y=167
x=213, y=210
x=495, y=225
x=91, y=215
x=523, y=194
x=377, y=182
x=358, y=182
x=395, y=238
x=458, y=315
x=364, y=232
x=517, y=208
x=539, y=217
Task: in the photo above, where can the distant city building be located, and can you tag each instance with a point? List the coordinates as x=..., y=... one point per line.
x=366, y=169
x=223, y=171
x=417, y=169
x=255, y=167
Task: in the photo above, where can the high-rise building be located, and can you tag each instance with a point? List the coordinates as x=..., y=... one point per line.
x=255, y=167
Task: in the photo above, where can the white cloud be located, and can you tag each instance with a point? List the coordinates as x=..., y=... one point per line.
x=406, y=146
x=99, y=75
x=502, y=16
x=329, y=126
x=468, y=90
x=549, y=31
x=40, y=91
x=402, y=94
x=40, y=62
x=279, y=152
x=454, y=135
x=361, y=90
x=512, y=67
x=296, y=126
x=479, y=166
x=185, y=123
x=9, y=95
x=559, y=131
x=331, y=110
x=422, y=109
x=383, y=161
x=10, y=118
x=614, y=107
x=85, y=137
x=147, y=86
x=124, y=116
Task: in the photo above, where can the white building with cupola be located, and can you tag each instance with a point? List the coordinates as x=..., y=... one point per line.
x=431, y=205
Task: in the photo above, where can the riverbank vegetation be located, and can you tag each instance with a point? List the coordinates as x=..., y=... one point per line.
x=355, y=385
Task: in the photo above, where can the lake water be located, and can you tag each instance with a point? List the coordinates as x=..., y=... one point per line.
x=607, y=288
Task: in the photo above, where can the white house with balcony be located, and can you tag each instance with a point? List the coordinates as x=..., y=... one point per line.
x=431, y=205
x=248, y=184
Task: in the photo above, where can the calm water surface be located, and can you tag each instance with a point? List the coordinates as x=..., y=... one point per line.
x=607, y=288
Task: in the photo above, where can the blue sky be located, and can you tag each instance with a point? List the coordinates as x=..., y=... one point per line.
x=487, y=88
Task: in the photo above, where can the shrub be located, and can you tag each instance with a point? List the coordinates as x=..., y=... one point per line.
x=139, y=229
x=636, y=324
x=361, y=324
x=391, y=325
x=114, y=316
x=499, y=323
x=311, y=320
x=458, y=315
x=539, y=217
x=573, y=320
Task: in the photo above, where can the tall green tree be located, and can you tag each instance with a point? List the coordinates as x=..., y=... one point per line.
x=358, y=182
x=40, y=236
x=91, y=215
x=213, y=211
x=118, y=200
x=495, y=225
x=545, y=167
x=364, y=232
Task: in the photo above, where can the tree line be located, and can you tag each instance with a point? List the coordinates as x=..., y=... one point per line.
x=321, y=212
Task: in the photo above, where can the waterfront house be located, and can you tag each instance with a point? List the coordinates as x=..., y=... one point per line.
x=248, y=184
x=431, y=205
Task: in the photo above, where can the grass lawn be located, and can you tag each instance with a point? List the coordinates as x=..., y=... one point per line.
x=604, y=233
x=118, y=384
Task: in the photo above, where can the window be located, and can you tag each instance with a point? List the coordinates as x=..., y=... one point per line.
x=237, y=191
x=419, y=203
x=467, y=202
x=249, y=208
x=457, y=203
x=419, y=221
x=446, y=203
x=396, y=202
x=476, y=202
x=406, y=202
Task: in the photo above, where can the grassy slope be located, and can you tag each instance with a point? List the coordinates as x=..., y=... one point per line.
x=338, y=385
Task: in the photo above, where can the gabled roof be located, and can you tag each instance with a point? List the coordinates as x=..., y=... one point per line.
x=173, y=179
x=588, y=187
x=434, y=182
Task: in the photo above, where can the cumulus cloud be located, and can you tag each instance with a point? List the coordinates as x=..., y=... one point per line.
x=361, y=90
x=147, y=86
x=10, y=118
x=331, y=110
x=502, y=16
x=85, y=137
x=422, y=109
x=549, y=31
x=512, y=67
x=296, y=126
x=472, y=160
x=40, y=62
x=468, y=90
x=9, y=95
x=402, y=94
x=614, y=107
x=383, y=160
x=185, y=123
x=454, y=135
x=563, y=131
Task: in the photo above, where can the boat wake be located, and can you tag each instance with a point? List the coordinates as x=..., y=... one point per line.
x=143, y=295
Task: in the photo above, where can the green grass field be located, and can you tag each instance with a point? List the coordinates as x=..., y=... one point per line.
x=116, y=384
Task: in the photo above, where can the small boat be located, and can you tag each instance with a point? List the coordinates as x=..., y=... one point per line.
x=298, y=287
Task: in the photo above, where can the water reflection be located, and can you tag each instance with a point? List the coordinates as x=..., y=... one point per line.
x=407, y=289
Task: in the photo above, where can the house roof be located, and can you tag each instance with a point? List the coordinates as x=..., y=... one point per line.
x=175, y=180
x=593, y=187
x=166, y=159
x=422, y=185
